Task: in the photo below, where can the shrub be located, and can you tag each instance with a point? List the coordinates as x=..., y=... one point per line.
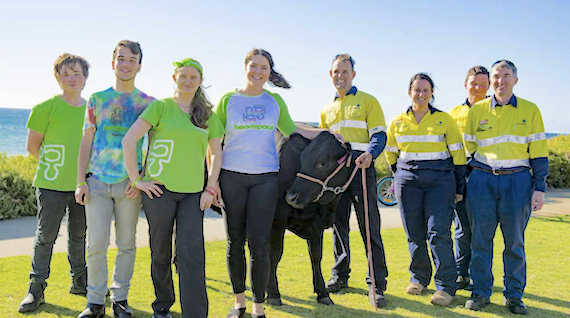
x=559, y=162
x=17, y=196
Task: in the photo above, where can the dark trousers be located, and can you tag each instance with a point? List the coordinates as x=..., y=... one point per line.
x=341, y=245
x=425, y=198
x=161, y=213
x=503, y=199
x=52, y=206
x=462, y=238
x=251, y=201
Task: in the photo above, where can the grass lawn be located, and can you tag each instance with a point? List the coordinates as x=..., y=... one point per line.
x=547, y=293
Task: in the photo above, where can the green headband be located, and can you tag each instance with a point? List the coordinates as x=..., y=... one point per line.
x=190, y=62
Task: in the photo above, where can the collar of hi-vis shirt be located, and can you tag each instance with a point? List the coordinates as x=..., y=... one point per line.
x=512, y=101
x=431, y=109
x=351, y=91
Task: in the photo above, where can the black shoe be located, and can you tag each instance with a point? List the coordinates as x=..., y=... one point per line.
x=476, y=302
x=79, y=286
x=463, y=282
x=93, y=311
x=380, y=299
x=516, y=306
x=121, y=309
x=162, y=314
x=34, y=298
x=335, y=284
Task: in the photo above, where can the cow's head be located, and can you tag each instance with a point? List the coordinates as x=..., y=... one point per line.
x=319, y=159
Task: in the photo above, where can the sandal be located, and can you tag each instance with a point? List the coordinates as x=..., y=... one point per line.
x=235, y=312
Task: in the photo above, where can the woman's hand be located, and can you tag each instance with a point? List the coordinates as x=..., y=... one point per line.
x=206, y=200
x=82, y=194
x=148, y=187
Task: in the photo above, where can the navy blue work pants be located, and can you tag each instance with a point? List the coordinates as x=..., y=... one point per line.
x=354, y=195
x=425, y=198
x=494, y=200
x=462, y=238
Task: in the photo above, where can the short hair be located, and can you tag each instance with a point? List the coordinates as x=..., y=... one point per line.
x=506, y=63
x=135, y=48
x=422, y=76
x=69, y=60
x=476, y=70
x=344, y=57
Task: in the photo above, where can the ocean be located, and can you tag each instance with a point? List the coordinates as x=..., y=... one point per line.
x=13, y=130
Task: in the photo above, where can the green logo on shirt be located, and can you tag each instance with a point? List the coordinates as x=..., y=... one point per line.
x=253, y=127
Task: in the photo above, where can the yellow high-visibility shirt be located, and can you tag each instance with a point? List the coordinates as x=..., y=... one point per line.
x=459, y=113
x=435, y=137
x=505, y=136
x=356, y=117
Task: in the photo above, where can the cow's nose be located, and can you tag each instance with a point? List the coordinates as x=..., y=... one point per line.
x=292, y=198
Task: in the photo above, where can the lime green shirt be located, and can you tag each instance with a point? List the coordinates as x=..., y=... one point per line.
x=61, y=124
x=178, y=148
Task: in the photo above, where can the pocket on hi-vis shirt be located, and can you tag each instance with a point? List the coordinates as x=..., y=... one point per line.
x=160, y=154
x=52, y=157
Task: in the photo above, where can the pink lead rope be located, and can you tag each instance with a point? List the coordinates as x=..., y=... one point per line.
x=368, y=243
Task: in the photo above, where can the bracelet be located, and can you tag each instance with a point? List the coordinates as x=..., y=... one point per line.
x=80, y=184
x=134, y=183
x=210, y=191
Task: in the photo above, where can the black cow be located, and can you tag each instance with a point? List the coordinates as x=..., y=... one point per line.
x=296, y=210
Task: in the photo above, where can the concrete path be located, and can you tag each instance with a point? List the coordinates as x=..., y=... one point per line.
x=17, y=236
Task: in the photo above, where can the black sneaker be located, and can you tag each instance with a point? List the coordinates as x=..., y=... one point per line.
x=380, y=298
x=335, y=284
x=93, y=311
x=476, y=302
x=34, y=298
x=162, y=313
x=121, y=309
x=463, y=282
x=516, y=306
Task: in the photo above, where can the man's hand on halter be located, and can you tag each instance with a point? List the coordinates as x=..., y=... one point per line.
x=364, y=160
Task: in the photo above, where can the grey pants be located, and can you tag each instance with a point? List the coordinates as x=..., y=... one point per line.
x=52, y=206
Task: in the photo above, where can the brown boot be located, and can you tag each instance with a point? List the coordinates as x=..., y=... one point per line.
x=442, y=298
x=415, y=289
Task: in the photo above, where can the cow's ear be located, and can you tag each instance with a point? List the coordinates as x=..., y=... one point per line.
x=298, y=142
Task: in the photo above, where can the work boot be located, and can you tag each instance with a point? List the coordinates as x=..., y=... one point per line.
x=79, y=285
x=516, y=306
x=380, y=298
x=34, y=298
x=93, y=311
x=476, y=302
x=335, y=284
x=442, y=298
x=415, y=289
x=121, y=309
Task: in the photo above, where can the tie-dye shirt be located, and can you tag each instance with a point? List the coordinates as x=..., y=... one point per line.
x=112, y=113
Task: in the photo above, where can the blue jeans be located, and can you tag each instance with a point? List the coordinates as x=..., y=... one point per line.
x=504, y=200
x=425, y=198
x=52, y=206
x=106, y=201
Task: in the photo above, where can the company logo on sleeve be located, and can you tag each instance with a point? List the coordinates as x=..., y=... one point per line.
x=52, y=157
x=160, y=154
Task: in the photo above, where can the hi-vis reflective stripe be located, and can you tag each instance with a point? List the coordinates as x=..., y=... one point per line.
x=420, y=138
x=455, y=146
x=360, y=146
x=469, y=138
x=376, y=130
x=502, y=139
x=349, y=124
x=498, y=164
x=536, y=137
x=424, y=155
x=391, y=149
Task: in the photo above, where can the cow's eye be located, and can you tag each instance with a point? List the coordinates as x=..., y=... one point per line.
x=321, y=164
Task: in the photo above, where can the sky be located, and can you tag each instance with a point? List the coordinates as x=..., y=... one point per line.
x=390, y=41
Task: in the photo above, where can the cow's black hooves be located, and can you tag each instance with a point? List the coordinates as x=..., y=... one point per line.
x=274, y=301
x=325, y=301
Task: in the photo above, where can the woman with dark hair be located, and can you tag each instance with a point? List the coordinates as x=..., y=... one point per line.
x=248, y=179
x=426, y=153
x=181, y=129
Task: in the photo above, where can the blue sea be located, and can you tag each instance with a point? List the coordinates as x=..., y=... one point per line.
x=13, y=130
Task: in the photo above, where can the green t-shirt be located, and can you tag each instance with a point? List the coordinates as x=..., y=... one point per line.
x=178, y=148
x=61, y=124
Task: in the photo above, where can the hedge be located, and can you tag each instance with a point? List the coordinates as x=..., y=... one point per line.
x=17, y=197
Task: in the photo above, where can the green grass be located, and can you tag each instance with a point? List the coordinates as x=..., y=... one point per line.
x=547, y=293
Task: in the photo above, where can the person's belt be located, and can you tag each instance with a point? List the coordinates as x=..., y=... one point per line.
x=501, y=172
